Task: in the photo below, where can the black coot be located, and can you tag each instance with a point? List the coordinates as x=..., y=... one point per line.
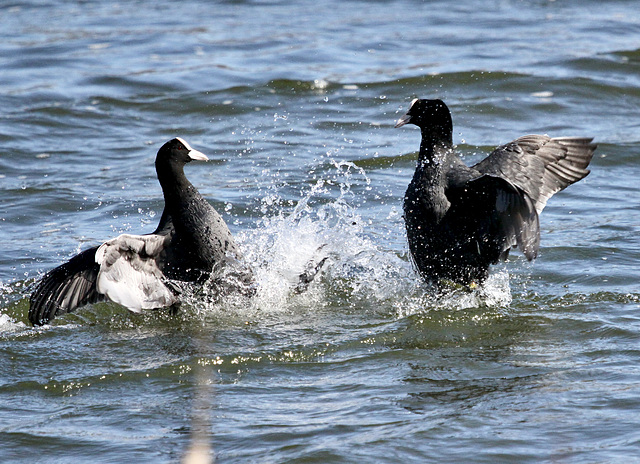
x=461, y=219
x=191, y=242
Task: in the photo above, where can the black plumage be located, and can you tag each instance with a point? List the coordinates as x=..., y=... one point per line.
x=462, y=219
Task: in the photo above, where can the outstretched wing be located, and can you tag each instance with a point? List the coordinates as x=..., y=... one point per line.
x=539, y=165
x=65, y=288
x=131, y=273
x=125, y=270
x=497, y=215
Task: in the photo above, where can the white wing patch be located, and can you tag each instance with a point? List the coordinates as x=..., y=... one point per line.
x=129, y=273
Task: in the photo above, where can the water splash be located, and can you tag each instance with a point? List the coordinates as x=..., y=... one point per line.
x=283, y=245
x=10, y=326
x=359, y=272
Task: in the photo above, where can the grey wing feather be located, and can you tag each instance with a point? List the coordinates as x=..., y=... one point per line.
x=65, y=288
x=130, y=273
x=521, y=222
x=539, y=165
x=76, y=282
x=501, y=213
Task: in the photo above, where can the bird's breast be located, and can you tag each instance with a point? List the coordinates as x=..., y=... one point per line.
x=425, y=202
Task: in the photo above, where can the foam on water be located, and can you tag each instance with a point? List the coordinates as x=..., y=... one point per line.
x=9, y=326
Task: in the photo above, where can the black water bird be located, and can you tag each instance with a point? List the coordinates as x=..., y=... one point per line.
x=192, y=243
x=462, y=219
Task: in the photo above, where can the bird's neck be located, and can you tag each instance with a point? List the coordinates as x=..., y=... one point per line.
x=177, y=189
x=435, y=146
x=426, y=192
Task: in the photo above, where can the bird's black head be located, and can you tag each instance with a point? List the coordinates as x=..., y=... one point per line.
x=432, y=116
x=179, y=151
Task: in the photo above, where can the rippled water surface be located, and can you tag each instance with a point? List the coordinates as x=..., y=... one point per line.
x=295, y=105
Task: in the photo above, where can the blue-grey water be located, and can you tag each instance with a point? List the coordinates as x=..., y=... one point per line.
x=295, y=103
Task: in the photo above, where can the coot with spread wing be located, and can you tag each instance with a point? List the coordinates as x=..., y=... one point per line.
x=191, y=243
x=462, y=219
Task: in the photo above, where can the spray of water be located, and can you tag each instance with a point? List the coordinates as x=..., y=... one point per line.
x=359, y=272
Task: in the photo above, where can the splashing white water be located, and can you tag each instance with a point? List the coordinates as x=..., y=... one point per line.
x=358, y=272
x=8, y=326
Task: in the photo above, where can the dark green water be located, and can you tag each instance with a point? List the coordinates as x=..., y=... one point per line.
x=295, y=105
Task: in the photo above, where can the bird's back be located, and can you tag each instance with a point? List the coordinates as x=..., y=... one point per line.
x=202, y=241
